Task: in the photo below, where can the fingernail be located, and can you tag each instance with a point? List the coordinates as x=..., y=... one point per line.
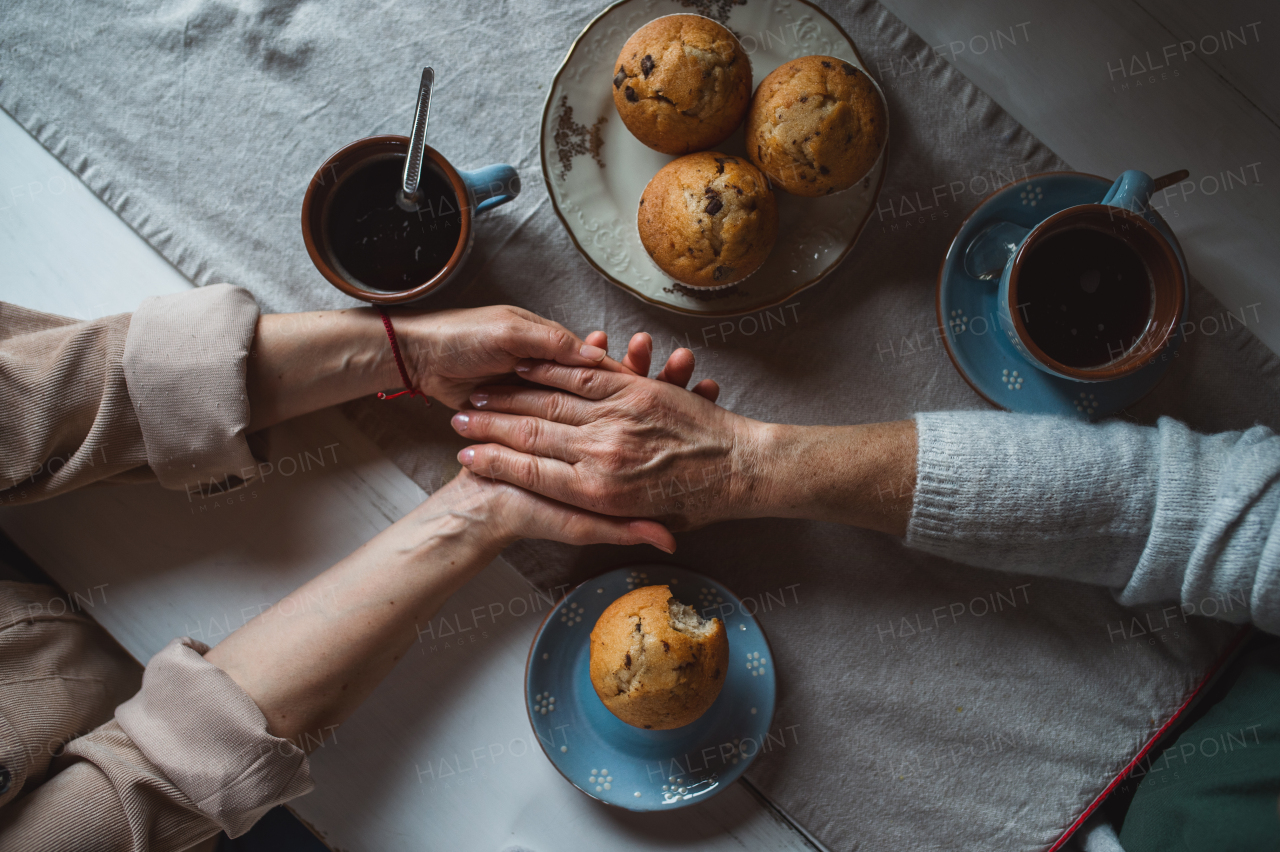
x=523, y=367
x=479, y=400
x=660, y=545
x=467, y=457
x=461, y=421
x=639, y=529
x=592, y=353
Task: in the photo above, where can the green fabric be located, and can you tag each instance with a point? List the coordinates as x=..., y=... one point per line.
x=1215, y=789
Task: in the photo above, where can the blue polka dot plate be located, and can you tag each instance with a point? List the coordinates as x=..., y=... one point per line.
x=968, y=311
x=630, y=767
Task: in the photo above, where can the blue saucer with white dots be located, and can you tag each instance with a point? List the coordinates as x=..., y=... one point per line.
x=630, y=767
x=968, y=313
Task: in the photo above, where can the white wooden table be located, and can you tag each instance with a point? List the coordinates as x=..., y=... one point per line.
x=173, y=566
x=442, y=755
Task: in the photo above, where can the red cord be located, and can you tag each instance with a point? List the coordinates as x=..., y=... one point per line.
x=404, y=374
x=1222, y=660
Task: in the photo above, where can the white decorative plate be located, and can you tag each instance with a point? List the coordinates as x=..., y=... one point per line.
x=596, y=170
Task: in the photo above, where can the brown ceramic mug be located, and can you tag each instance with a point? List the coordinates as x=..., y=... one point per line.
x=1127, y=349
x=368, y=247
x=1090, y=293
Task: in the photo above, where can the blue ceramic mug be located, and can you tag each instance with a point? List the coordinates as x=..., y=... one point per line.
x=464, y=195
x=1001, y=250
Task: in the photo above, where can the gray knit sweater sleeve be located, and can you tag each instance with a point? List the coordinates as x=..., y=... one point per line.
x=1156, y=513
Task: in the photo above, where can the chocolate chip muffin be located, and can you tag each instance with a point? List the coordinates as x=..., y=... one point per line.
x=708, y=219
x=655, y=663
x=682, y=83
x=816, y=125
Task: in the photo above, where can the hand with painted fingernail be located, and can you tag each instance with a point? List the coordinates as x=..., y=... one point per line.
x=616, y=444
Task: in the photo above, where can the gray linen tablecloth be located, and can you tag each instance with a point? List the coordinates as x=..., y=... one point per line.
x=201, y=122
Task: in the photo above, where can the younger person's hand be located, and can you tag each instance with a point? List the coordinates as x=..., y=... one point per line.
x=450, y=353
x=502, y=514
x=678, y=370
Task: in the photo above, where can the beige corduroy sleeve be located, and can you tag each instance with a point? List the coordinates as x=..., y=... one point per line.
x=187, y=755
x=107, y=795
x=162, y=388
x=107, y=798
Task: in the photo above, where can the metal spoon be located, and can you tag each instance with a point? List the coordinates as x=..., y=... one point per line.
x=407, y=197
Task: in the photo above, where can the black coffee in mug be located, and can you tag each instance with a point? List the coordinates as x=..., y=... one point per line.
x=1085, y=296
x=380, y=244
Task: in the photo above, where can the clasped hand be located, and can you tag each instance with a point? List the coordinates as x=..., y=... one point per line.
x=617, y=443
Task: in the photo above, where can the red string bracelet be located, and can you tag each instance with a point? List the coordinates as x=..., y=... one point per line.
x=404, y=374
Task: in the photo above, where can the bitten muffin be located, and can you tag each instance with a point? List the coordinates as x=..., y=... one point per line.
x=708, y=219
x=682, y=83
x=816, y=125
x=654, y=662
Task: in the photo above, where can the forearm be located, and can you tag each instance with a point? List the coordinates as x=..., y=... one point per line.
x=862, y=476
x=311, y=659
x=1158, y=514
x=304, y=362
x=163, y=388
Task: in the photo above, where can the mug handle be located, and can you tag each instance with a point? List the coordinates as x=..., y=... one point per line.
x=492, y=186
x=989, y=252
x=1131, y=191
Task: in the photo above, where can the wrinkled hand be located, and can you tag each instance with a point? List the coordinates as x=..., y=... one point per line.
x=614, y=443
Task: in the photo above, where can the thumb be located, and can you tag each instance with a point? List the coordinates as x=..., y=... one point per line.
x=586, y=527
x=652, y=532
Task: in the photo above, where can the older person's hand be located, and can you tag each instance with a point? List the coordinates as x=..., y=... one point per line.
x=617, y=444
